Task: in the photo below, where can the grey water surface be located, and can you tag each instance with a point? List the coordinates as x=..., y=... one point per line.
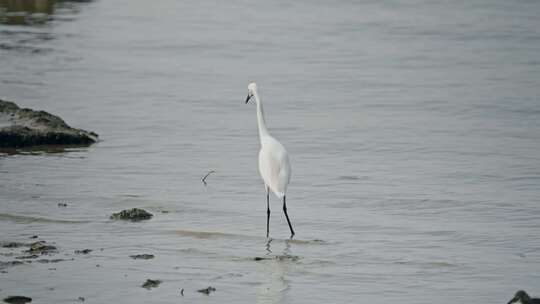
x=413, y=129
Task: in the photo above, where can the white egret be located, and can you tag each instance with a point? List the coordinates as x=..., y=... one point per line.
x=273, y=161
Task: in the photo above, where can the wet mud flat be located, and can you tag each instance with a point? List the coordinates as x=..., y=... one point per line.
x=61, y=265
x=58, y=270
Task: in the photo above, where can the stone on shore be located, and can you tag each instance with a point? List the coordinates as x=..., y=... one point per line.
x=134, y=215
x=40, y=247
x=143, y=256
x=17, y=299
x=207, y=290
x=149, y=284
x=21, y=128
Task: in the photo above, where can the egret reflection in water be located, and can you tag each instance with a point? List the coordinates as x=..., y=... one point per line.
x=274, y=272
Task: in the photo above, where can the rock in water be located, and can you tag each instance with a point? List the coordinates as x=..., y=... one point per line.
x=17, y=300
x=143, y=256
x=207, y=290
x=149, y=284
x=134, y=215
x=25, y=127
x=9, y=264
x=13, y=245
x=83, y=251
x=41, y=248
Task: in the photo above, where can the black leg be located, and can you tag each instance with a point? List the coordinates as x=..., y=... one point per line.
x=267, y=212
x=287, y=216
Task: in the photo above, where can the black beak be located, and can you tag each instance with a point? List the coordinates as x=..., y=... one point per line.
x=248, y=98
x=513, y=300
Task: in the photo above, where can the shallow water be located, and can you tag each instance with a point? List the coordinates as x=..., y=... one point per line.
x=413, y=129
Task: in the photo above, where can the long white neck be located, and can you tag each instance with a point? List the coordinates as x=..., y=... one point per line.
x=263, y=131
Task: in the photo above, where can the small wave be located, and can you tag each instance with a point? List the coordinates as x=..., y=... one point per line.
x=131, y=195
x=224, y=235
x=441, y=264
x=435, y=264
x=353, y=178
x=34, y=219
x=307, y=242
x=207, y=234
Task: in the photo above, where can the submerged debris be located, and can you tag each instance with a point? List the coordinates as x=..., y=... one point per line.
x=284, y=257
x=9, y=264
x=287, y=257
x=149, y=284
x=46, y=261
x=143, y=256
x=207, y=290
x=134, y=215
x=207, y=174
x=17, y=299
x=13, y=245
x=26, y=257
x=84, y=251
x=260, y=258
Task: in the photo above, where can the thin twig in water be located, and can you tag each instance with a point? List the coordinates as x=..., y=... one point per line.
x=204, y=178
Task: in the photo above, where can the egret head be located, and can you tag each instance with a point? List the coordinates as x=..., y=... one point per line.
x=521, y=296
x=252, y=88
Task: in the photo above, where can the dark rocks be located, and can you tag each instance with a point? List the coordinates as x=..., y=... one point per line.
x=47, y=261
x=149, y=284
x=41, y=247
x=285, y=257
x=8, y=106
x=17, y=300
x=83, y=251
x=260, y=258
x=4, y=265
x=207, y=290
x=26, y=257
x=142, y=256
x=522, y=297
x=134, y=215
x=13, y=245
x=25, y=127
x=35, y=251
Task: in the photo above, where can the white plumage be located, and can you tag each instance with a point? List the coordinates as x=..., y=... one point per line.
x=274, y=166
x=274, y=163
